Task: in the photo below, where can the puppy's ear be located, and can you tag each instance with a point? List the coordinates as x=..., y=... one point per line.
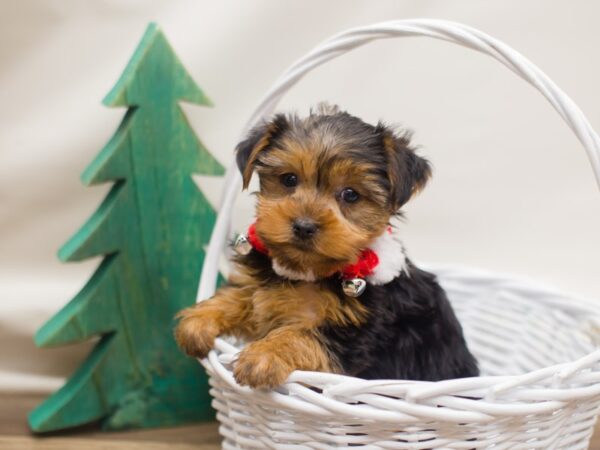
x=258, y=140
x=408, y=172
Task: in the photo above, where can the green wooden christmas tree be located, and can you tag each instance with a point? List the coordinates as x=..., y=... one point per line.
x=151, y=229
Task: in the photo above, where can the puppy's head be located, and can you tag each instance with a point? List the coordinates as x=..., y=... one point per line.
x=329, y=184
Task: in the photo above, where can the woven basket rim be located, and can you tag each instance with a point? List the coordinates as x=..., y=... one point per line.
x=481, y=399
x=581, y=303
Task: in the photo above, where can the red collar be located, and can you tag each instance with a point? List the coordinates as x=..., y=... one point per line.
x=366, y=264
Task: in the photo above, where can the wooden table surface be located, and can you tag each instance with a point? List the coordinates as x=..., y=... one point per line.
x=14, y=434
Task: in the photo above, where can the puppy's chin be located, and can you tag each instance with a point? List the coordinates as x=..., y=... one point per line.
x=304, y=257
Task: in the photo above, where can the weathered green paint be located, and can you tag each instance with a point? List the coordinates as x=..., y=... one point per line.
x=151, y=229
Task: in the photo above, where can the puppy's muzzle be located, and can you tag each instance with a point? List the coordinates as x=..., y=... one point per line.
x=304, y=228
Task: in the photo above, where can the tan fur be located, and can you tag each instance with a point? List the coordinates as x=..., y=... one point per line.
x=281, y=320
x=344, y=229
x=199, y=325
x=268, y=362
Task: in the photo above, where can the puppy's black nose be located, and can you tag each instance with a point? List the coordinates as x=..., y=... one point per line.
x=304, y=228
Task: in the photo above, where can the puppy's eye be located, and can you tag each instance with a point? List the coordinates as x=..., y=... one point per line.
x=349, y=195
x=289, y=179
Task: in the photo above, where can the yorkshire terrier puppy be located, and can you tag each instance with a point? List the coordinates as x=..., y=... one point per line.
x=322, y=283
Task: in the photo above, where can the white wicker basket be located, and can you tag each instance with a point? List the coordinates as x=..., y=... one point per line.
x=538, y=350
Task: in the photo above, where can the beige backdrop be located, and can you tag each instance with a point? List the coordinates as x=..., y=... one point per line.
x=512, y=191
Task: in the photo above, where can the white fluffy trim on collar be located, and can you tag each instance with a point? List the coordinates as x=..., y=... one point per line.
x=392, y=258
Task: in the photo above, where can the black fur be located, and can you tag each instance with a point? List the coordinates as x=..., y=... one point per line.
x=411, y=332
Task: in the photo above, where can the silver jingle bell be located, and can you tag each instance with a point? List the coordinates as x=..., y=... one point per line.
x=242, y=245
x=354, y=287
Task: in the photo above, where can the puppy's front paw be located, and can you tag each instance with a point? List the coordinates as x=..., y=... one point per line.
x=195, y=333
x=259, y=368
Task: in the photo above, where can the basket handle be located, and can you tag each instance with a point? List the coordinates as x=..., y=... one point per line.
x=348, y=40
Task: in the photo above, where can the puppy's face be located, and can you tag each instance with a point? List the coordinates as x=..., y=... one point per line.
x=329, y=184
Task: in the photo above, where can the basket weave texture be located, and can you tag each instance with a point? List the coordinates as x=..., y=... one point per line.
x=537, y=349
